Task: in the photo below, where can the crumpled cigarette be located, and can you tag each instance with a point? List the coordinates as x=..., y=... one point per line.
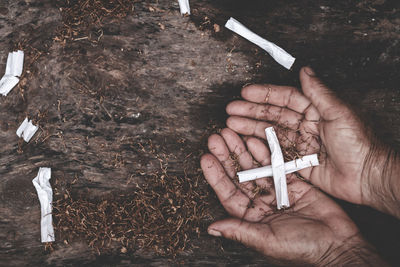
x=7, y=83
x=14, y=67
x=184, y=6
x=278, y=169
x=15, y=63
x=27, y=130
x=290, y=167
x=45, y=194
x=280, y=55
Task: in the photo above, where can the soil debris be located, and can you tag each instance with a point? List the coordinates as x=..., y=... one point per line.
x=163, y=214
x=83, y=19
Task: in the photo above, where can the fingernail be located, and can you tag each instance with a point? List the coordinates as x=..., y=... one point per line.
x=309, y=71
x=214, y=232
x=247, y=84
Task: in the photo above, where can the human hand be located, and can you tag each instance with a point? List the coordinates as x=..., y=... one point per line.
x=353, y=165
x=314, y=230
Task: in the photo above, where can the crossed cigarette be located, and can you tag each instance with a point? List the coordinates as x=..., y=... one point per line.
x=278, y=169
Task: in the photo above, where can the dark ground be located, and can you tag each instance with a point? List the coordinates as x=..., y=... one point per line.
x=128, y=100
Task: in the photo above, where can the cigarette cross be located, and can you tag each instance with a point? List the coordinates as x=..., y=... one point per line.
x=278, y=169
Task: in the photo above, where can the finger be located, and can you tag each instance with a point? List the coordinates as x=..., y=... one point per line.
x=217, y=146
x=259, y=150
x=280, y=115
x=282, y=96
x=262, y=155
x=237, y=147
x=327, y=104
x=255, y=235
x=234, y=201
x=256, y=128
x=247, y=126
x=241, y=155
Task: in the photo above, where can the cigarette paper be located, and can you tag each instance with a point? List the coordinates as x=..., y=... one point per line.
x=7, y=83
x=184, y=6
x=290, y=167
x=45, y=194
x=301, y=163
x=278, y=169
x=280, y=55
x=15, y=62
x=27, y=130
x=14, y=67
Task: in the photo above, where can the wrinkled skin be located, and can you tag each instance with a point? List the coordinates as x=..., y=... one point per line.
x=314, y=230
x=354, y=166
x=318, y=118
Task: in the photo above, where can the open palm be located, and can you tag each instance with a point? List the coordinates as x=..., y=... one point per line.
x=313, y=123
x=315, y=230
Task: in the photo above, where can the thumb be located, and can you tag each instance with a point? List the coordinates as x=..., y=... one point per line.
x=328, y=105
x=252, y=235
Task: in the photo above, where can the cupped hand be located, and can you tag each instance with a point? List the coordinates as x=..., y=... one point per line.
x=314, y=230
x=318, y=122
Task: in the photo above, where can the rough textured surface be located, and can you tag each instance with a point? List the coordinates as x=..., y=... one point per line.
x=155, y=75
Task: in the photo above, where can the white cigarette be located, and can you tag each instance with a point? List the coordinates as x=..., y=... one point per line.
x=15, y=62
x=27, y=130
x=7, y=83
x=184, y=6
x=280, y=55
x=290, y=167
x=278, y=169
x=45, y=194
x=14, y=67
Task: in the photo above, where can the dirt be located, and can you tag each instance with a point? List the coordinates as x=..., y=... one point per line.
x=145, y=81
